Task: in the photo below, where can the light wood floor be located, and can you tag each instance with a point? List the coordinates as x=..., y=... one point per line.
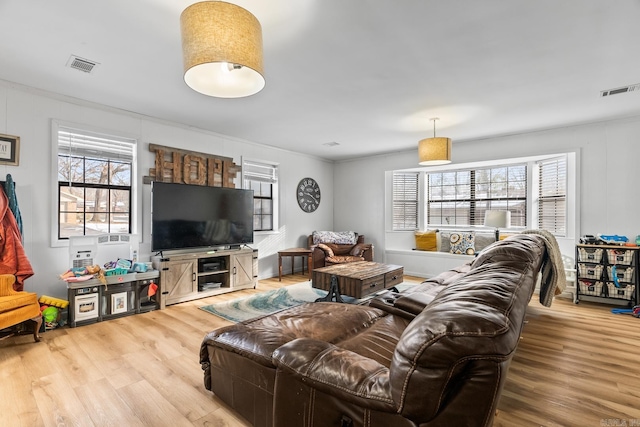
x=576, y=365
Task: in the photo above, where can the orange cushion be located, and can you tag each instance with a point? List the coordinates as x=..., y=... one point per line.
x=21, y=299
x=19, y=314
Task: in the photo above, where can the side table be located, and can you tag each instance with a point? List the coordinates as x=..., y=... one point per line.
x=293, y=253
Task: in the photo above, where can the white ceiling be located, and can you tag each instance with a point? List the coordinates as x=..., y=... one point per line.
x=367, y=74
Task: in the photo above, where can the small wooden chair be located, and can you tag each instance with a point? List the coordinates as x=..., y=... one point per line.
x=17, y=308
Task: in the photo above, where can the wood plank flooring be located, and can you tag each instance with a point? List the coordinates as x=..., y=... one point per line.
x=576, y=365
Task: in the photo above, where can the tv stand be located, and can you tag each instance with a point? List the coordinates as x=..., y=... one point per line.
x=194, y=275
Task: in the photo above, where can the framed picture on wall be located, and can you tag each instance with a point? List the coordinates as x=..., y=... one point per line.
x=9, y=150
x=119, y=303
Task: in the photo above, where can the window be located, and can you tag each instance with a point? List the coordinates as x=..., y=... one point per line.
x=536, y=190
x=262, y=178
x=461, y=197
x=405, y=201
x=552, y=195
x=95, y=175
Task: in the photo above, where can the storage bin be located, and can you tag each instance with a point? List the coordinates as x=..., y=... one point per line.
x=624, y=274
x=620, y=256
x=590, y=288
x=590, y=255
x=623, y=292
x=590, y=271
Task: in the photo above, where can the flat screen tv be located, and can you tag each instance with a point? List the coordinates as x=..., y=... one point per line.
x=192, y=216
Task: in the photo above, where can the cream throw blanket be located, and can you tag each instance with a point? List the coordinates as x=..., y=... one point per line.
x=554, y=280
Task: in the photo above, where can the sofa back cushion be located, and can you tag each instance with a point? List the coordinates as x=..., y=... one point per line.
x=473, y=322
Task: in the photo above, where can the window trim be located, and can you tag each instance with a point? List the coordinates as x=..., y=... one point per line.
x=136, y=203
x=275, y=190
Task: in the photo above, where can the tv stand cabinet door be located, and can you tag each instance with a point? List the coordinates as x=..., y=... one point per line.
x=242, y=271
x=178, y=281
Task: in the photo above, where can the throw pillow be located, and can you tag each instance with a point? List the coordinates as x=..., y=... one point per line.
x=358, y=250
x=327, y=250
x=427, y=240
x=462, y=243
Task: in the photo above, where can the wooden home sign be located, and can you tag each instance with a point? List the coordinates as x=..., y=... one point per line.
x=190, y=167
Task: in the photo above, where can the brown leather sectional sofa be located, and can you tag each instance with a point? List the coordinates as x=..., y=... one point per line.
x=436, y=355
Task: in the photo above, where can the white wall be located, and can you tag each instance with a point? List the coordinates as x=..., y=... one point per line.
x=609, y=173
x=28, y=113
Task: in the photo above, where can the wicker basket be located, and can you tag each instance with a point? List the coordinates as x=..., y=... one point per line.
x=623, y=292
x=624, y=274
x=590, y=288
x=590, y=255
x=590, y=271
x=620, y=256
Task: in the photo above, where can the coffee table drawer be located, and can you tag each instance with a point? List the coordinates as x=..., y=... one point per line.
x=372, y=285
x=393, y=278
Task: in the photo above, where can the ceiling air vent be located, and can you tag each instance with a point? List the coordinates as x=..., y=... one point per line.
x=619, y=90
x=84, y=65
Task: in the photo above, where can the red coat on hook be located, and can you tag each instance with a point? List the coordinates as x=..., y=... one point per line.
x=13, y=259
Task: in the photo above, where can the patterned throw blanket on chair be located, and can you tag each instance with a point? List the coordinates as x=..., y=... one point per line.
x=554, y=280
x=336, y=237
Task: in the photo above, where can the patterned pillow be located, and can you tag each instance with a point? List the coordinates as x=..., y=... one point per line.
x=462, y=243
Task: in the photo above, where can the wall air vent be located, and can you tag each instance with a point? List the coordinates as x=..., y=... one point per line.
x=619, y=90
x=84, y=65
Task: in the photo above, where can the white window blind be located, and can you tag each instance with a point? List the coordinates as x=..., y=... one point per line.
x=262, y=172
x=552, y=200
x=405, y=201
x=72, y=142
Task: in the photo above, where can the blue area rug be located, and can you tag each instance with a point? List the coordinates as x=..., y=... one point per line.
x=269, y=302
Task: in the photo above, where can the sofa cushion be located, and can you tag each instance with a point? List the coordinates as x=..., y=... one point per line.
x=358, y=250
x=17, y=300
x=462, y=243
x=427, y=240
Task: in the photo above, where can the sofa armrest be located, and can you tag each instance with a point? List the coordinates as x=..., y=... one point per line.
x=317, y=256
x=6, y=285
x=368, y=252
x=338, y=372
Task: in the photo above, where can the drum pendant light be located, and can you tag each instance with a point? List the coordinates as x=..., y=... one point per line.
x=221, y=50
x=434, y=151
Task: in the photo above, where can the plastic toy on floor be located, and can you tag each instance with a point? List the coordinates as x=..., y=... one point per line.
x=55, y=302
x=635, y=311
x=613, y=239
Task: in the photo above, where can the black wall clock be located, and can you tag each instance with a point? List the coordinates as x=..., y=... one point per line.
x=308, y=194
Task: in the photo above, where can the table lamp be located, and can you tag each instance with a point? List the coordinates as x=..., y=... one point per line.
x=497, y=219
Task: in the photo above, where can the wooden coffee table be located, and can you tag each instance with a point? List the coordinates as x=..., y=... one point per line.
x=355, y=279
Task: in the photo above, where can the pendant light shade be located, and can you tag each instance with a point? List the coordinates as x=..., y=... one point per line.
x=221, y=50
x=434, y=151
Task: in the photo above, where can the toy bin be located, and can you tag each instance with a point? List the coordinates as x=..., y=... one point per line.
x=623, y=292
x=624, y=274
x=593, y=255
x=588, y=287
x=590, y=271
x=620, y=256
